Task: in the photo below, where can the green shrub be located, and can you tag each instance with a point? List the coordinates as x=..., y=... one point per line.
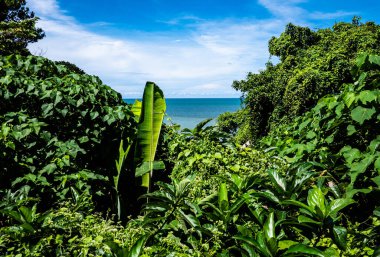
x=229, y=122
x=58, y=129
x=64, y=231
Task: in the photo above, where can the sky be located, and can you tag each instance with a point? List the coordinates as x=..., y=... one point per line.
x=190, y=48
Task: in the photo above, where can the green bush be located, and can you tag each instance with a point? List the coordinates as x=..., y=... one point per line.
x=229, y=122
x=58, y=129
x=67, y=230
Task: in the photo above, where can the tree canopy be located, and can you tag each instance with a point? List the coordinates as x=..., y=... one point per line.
x=17, y=27
x=311, y=65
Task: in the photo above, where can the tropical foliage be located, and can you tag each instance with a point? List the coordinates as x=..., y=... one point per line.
x=311, y=190
x=73, y=158
x=59, y=130
x=311, y=65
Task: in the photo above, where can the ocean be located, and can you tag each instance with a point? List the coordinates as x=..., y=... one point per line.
x=188, y=112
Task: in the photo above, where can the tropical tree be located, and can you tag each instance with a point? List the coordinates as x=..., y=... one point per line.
x=312, y=64
x=17, y=27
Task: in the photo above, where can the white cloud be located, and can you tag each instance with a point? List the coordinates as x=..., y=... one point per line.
x=182, y=19
x=48, y=8
x=203, y=62
x=287, y=10
x=290, y=11
x=331, y=15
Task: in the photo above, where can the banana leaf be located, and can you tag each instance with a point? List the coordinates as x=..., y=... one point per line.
x=148, y=130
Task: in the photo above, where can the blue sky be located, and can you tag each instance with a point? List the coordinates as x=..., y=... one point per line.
x=189, y=48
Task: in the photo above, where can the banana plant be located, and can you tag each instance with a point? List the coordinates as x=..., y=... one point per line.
x=148, y=130
x=321, y=215
x=137, y=154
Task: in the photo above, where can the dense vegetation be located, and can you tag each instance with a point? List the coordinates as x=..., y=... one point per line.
x=312, y=64
x=84, y=174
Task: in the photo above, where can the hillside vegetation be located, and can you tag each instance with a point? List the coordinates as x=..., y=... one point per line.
x=311, y=65
x=84, y=174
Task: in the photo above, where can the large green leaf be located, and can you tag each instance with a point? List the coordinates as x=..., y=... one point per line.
x=367, y=96
x=137, y=247
x=350, y=154
x=360, y=167
x=340, y=237
x=27, y=213
x=303, y=250
x=309, y=209
x=223, y=197
x=268, y=195
x=304, y=219
x=376, y=180
x=316, y=199
x=374, y=59
x=136, y=109
x=190, y=219
x=269, y=227
x=361, y=59
x=349, y=98
x=278, y=182
x=338, y=204
x=249, y=241
x=146, y=167
x=149, y=127
x=264, y=245
x=237, y=204
x=361, y=114
x=198, y=128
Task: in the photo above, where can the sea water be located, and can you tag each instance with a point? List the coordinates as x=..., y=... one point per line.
x=188, y=112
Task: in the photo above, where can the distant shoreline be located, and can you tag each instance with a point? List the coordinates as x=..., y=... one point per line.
x=188, y=112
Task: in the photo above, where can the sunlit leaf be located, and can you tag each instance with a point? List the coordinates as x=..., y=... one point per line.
x=316, y=198
x=361, y=114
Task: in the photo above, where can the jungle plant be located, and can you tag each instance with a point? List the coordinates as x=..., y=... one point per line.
x=148, y=131
x=322, y=215
x=289, y=187
x=58, y=129
x=168, y=205
x=140, y=162
x=312, y=65
x=223, y=211
x=269, y=244
x=198, y=129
